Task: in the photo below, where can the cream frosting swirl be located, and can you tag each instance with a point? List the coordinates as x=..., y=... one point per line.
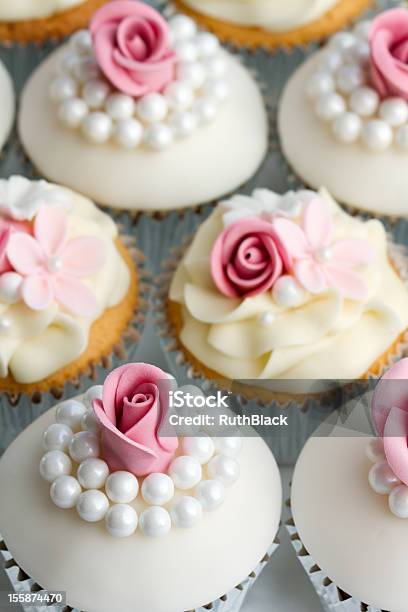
x=271, y=15
x=36, y=343
x=323, y=336
x=20, y=10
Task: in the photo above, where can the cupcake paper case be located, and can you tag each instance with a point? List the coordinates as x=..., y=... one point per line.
x=183, y=531
x=344, y=114
x=351, y=489
x=167, y=111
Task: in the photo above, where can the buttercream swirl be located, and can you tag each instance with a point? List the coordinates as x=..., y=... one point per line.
x=312, y=340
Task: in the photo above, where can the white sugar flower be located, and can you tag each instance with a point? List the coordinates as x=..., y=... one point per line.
x=21, y=198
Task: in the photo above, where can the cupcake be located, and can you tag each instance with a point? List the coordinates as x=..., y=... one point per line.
x=146, y=106
x=26, y=21
x=7, y=105
x=350, y=502
x=97, y=474
x=343, y=117
x=262, y=23
x=69, y=291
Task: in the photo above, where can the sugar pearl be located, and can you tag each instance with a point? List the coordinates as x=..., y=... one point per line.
x=394, y=111
x=183, y=123
x=217, y=89
x=92, y=506
x=287, y=292
x=330, y=59
x=57, y=437
x=205, y=108
x=377, y=135
x=94, y=392
x=210, y=494
x=224, y=468
x=5, y=325
x=182, y=27
x=381, y=478
x=72, y=112
x=179, y=95
x=230, y=446
x=401, y=138
x=157, y=489
x=398, y=501
x=121, y=520
x=207, y=44
x=70, y=413
x=158, y=136
x=364, y=101
x=122, y=487
x=128, y=133
x=86, y=70
x=347, y=127
x=186, y=512
x=53, y=464
x=185, y=472
x=359, y=52
x=68, y=62
x=97, y=127
x=119, y=106
x=330, y=105
x=152, y=108
x=349, y=77
x=92, y=473
x=65, y=492
x=375, y=450
x=95, y=93
x=342, y=41
x=62, y=88
x=10, y=286
x=266, y=319
x=186, y=50
x=200, y=447
x=362, y=29
x=81, y=41
x=155, y=522
x=192, y=73
x=318, y=84
x=89, y=422
x=83, y=445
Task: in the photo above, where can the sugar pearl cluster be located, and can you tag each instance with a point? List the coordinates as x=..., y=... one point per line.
x=383, y=480
x=87, y=102
x=343, y=97
x=79, y=478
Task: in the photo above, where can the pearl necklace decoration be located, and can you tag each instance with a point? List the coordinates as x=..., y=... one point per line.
x=196, y=481
x=343, y=98
x=383, y=480
x=87, y=102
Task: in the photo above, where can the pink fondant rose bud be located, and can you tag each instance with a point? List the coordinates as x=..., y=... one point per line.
x=133, y=408
x=247, y=258
x=132, y=47
x=389, y=53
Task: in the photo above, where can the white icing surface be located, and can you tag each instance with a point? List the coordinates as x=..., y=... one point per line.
x=346, y=527
x=347, y=171
x=41, y=342
x=273, y=15
x=20, y=10
x=312, y=341
x=6, y=103
x=189, y=173
x=101, y=573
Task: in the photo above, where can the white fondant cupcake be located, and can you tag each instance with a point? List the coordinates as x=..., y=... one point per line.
x=343, y=117
x=159, y=115
x=350, y=506
x=7, y=105
x=96, y=474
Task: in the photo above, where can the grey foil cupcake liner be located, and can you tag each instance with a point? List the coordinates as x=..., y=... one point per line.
x=230, y=602
x=19, y=410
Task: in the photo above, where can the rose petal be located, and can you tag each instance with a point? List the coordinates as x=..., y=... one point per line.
x=25, y=254
x=395, y=442
x=74, y=296
x=51, y=230
x=135, y=408
x=391, y=390
x=37, y=292
x=347, y=282
x=317, y=223
x=83, y=256
x=310, y=274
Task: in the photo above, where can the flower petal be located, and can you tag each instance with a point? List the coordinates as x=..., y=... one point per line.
x=310, y=275
x=347, y=282
x=352, y=252
x=83, y=256
x=25, y=254
x=317, y=223
x=391, y=390
x=291, y=237
x=51, y=229
x=76, y=297
x=37, y=292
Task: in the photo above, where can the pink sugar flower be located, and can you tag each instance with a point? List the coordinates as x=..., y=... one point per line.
x=52, y=265
x=317, y=262
x=8, y=227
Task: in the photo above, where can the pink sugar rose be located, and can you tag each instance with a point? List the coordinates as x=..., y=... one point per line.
x=132, y=47
x=133, y=407
x=247, y=258
x=389, y=53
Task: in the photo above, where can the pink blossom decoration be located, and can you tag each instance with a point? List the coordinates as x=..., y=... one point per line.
x=52, y=265
x=133, y=408
x=8, y=227
x=389, y=53
x=132, y=47
x=316, y=261
x=247, y=258
x=4, y=238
